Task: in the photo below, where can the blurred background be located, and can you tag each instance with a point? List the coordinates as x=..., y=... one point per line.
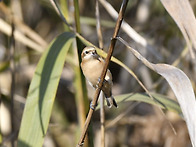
x=132, y=124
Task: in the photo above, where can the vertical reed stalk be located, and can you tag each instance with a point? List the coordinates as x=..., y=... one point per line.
x=100, y=39
x=12, y=68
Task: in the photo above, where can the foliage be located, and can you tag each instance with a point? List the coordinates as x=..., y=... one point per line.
x=66, y=48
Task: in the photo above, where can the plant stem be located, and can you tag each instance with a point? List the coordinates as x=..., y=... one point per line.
x=98, y=25
x=12, y=67
x=111, y=49
x=102, y=108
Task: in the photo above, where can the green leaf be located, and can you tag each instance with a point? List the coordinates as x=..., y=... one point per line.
x=160, y=100
x=42, y=92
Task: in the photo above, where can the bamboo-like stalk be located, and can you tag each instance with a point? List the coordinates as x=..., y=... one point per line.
x=102, y=120
x=100, y=39
x=111, y=49
x=98, y=25
x=80, y=84
x=79, y=81
x=12, y=68
x=77, y=16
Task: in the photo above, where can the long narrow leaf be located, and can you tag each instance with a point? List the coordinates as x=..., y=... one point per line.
x=42, y=92
x=181, y=87
x=183, y=15
x=161, y=100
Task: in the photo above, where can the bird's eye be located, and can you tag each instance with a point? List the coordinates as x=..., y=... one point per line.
x=86, y=52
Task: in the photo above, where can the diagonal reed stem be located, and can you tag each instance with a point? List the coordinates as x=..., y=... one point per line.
x=111, y=49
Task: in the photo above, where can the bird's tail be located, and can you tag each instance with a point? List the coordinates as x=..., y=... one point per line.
x=111, y=101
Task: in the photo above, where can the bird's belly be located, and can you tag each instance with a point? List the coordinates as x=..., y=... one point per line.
x=92, y=72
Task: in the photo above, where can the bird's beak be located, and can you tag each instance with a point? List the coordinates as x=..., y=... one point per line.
x=94, y=55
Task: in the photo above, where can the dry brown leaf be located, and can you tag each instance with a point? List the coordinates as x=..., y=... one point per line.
x=181, y=87
x=182, y=13
x=6, y=28
x=129, y=30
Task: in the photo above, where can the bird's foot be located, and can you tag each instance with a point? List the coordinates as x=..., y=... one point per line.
x=92, y=106
x=99, y=80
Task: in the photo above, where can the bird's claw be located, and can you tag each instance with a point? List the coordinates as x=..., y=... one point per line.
x=92, y=106
x=81, y=144
x=99, y=80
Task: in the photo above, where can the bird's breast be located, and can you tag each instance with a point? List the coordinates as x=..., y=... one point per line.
x=92, y=70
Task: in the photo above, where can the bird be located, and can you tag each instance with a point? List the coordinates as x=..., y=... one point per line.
x=92, y=65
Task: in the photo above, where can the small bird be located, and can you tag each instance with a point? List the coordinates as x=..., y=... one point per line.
x=92, y=65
